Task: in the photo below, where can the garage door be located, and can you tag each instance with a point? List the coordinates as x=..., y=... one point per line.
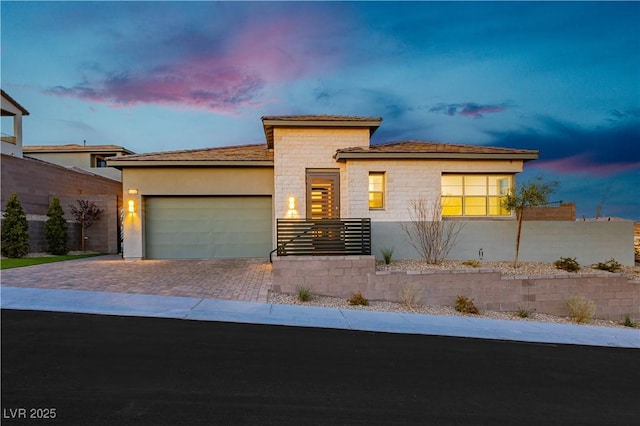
x=207, y=227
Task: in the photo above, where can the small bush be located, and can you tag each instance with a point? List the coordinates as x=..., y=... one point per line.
x=581, y=309
x=387, y=253
x=628, y=322
x=568, y=264
x=304, y=294
x=610, y=265
x=472, y=263
x=410, y=294
x=358, y=299
x=465, y=305
x=55, y=229
x=523, y=312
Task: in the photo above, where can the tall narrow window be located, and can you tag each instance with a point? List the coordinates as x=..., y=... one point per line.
x=376, y=190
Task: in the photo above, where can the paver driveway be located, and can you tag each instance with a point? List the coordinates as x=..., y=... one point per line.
x=233, y=279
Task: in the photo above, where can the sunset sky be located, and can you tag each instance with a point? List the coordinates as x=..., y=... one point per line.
x=563, y=78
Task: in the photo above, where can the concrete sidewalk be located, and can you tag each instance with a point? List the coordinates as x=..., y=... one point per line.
x=193, y=308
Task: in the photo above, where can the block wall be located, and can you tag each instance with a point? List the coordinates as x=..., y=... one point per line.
x=615, y=295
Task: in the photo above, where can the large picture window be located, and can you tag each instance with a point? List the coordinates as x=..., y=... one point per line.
x=475, y=195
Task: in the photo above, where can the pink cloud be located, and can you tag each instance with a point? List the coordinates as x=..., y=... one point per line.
x=233, y=77
x=468, y=109
x=582, y=163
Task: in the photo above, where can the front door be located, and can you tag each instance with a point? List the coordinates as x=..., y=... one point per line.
x=323, y=195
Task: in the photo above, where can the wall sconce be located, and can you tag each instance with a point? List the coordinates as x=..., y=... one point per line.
x=292, y=203
x=132, y=206
x=292, y=213
x=133, y=191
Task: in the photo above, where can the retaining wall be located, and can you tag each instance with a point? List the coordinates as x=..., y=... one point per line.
x=340, y=276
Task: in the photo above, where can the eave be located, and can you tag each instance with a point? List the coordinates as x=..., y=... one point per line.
x=343, y=156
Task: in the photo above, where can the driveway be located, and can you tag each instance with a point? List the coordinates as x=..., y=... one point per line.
x=232, y=279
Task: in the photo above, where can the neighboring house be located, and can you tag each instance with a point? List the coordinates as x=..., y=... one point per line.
x=12, y=113
x=223, y=202
x=91, y=158
x=36, y=182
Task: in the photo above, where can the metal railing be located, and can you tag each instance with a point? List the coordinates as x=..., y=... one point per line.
x=315, y=237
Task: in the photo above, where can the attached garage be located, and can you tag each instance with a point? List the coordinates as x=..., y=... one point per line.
x=207, y=227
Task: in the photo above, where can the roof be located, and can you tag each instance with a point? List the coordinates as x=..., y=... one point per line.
x=434, y=150
x=241, y=155
x=14, y=102
x=75, y=148
x=269, y=122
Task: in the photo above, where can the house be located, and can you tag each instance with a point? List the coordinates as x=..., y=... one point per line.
x=36, y=182
x=226, y=202
x=12, y=113
x=91, y=158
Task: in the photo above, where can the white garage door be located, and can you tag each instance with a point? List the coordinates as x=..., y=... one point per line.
x=207, y=227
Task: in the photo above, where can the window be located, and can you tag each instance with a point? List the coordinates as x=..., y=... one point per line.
x=100, y=161
x=376, y=190
x=475, y=195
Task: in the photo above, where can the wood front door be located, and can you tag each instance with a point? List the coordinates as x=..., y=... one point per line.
x=323, y=195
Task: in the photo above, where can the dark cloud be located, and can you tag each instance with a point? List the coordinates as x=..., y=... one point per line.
x=468, y=109
x=568, y=148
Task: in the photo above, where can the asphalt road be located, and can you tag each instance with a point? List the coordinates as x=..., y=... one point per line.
x=81, y=369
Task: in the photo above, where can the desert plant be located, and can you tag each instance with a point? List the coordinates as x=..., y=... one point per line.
x=304, y=294
x=523, y=312
x=358, y=299
x=466, y=305
x=568, y=264
x=86, y=214
x=581, y=309
x=531, y=194
x=55, y=229
x=410, y=294
x=473, y=263
x=431, y=236
x=15, y=229
x=628, y=322
x=387, y=253
x=610, y=265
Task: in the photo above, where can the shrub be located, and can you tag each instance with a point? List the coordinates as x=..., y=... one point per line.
x=610, y=265
x=15, y=230
x=581, y=309
x=55, y=229
x=523, y=312
x=472, y=263
x=387, y=253
x=628, y=322
x=358, y=299
x=567, y=264
x=410, y=294
x=465, y=305
x=304, y=294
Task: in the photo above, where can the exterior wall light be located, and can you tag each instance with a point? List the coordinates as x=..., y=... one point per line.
x=132, y=206
x=133, y=191
x=292, y=203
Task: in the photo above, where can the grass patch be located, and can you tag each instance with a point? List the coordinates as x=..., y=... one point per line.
x=30, y=261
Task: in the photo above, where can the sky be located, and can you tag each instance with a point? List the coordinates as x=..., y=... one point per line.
x=562, y=78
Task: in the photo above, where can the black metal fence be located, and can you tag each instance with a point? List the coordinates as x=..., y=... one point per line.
x=317, y=237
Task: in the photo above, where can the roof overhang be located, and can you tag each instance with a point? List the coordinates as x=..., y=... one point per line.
x=525, y=156
x=120, y=164
x=271, y=122
x=12, y=101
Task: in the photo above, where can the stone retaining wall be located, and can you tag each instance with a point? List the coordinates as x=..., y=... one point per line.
x=340, y=276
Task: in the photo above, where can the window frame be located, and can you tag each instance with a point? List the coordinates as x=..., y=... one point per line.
x=382, y=191
x=468, y=193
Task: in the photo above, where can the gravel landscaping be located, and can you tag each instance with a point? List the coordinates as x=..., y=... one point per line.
x=525, y=268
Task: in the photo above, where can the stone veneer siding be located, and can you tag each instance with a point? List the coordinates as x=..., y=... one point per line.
x=340, y=276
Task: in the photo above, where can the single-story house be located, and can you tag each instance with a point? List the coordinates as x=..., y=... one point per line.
x=226, y=201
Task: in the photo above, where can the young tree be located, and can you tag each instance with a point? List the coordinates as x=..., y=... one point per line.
x=431, y=236
x=531, y=194
x=15, y=229
x=55, y=229
x=87, y=213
